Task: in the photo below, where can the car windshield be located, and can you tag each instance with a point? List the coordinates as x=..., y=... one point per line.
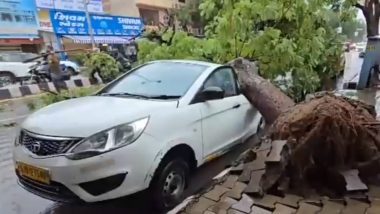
x=16, y=57
x=157, y=80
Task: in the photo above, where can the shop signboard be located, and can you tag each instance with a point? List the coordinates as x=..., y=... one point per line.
x=18, y=19
x=116, y=25
x=75, y=23
x=44, y=20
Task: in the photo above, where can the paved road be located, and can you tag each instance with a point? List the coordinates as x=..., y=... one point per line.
x=15, y=200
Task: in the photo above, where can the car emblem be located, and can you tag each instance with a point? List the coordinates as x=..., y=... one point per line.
x=36, y=146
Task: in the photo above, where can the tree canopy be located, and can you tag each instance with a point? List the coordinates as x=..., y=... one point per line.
x=291, y=38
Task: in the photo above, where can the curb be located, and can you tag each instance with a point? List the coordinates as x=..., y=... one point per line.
x=180, y=207
x=26, y=90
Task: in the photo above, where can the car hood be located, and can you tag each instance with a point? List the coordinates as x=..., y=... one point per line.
x=82, y=117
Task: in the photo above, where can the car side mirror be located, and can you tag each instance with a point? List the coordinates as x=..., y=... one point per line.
x=212, y=93
x=362, y=54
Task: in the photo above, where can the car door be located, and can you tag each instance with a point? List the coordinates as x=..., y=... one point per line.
x=222, y=119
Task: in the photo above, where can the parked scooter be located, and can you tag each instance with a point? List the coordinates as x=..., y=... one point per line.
x=40, y=73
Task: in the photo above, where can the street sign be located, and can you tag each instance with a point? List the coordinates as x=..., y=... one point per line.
x=75, y=23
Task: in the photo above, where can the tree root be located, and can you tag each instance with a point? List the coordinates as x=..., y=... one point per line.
x=328, y=134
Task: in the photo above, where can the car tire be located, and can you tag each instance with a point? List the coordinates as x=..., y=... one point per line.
x=72, y=71
x=168, y=184
x=6, y=79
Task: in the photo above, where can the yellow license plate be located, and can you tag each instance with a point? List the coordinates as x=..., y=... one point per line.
x=34, y=173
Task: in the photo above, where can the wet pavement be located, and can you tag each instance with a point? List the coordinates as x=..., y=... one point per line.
x=15, y=200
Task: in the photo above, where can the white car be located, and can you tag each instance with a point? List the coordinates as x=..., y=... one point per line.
x=12, y=68
x=147, y=129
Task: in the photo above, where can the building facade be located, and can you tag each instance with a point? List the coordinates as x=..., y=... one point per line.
x=19, y=28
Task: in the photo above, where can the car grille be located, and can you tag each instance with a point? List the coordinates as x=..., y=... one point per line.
x=45, y=147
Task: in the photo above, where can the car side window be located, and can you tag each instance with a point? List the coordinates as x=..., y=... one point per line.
x=225, y=79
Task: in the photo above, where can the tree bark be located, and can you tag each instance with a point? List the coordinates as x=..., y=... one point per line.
x=371, y=12
x=268, y=99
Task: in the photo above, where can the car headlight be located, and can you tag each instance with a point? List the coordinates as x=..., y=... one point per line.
x=109, y=139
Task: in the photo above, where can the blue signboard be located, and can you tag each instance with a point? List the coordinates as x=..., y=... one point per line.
x=116, y=25
x=18, y=19
x=75, y=23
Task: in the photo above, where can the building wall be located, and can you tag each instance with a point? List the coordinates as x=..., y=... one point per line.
x=121, y=7
x=156, y=3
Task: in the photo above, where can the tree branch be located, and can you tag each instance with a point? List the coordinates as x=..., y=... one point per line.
x=361, y=7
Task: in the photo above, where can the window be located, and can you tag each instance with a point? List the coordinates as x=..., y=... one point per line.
x=159, y=78
x=223, y=78
x=16, y=57
x=12, y=57
x=150, y=17
x=182, y=1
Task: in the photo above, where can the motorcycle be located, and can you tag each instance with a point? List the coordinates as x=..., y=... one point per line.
x=39, y=73
x=125, y=63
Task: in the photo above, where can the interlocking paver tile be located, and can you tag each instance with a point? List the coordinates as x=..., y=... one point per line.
x=216, y=192
x=331, y=207
x=353, y=181
x=306, y=208
x=247, y=156
x=237, y=169
x=259, y=210
x=236, y=191
x=230, y=181
x=257, y=164
x=232, y=211
x=291, y=200
x=254, y=183
x=244, y=204
x=264, y=145
x=275, y=152
x=223, y=205
x=375, y=207
x=200, y=206
x=354, y=207
x=282, y=209
x=268, y=201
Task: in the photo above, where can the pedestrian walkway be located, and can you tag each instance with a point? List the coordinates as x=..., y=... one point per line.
x=240, y=191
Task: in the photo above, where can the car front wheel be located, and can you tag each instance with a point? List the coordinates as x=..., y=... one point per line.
x=169, y=183
x=6, y=79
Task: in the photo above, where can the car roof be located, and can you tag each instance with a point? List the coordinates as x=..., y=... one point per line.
x=194, y=62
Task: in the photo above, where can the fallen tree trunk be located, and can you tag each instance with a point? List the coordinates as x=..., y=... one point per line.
x=268, y=99
x=326, y=135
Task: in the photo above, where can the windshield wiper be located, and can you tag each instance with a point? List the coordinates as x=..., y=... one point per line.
x=124, y=94
x=164, y=97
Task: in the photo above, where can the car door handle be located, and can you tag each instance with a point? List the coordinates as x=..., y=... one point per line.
x=236, y=106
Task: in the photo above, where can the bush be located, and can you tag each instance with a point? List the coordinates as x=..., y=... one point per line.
x=79, y=58
x=105, y=64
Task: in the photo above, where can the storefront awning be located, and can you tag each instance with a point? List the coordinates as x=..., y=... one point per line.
x=98, y=39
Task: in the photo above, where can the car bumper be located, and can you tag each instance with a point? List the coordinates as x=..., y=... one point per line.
x=114, y=174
